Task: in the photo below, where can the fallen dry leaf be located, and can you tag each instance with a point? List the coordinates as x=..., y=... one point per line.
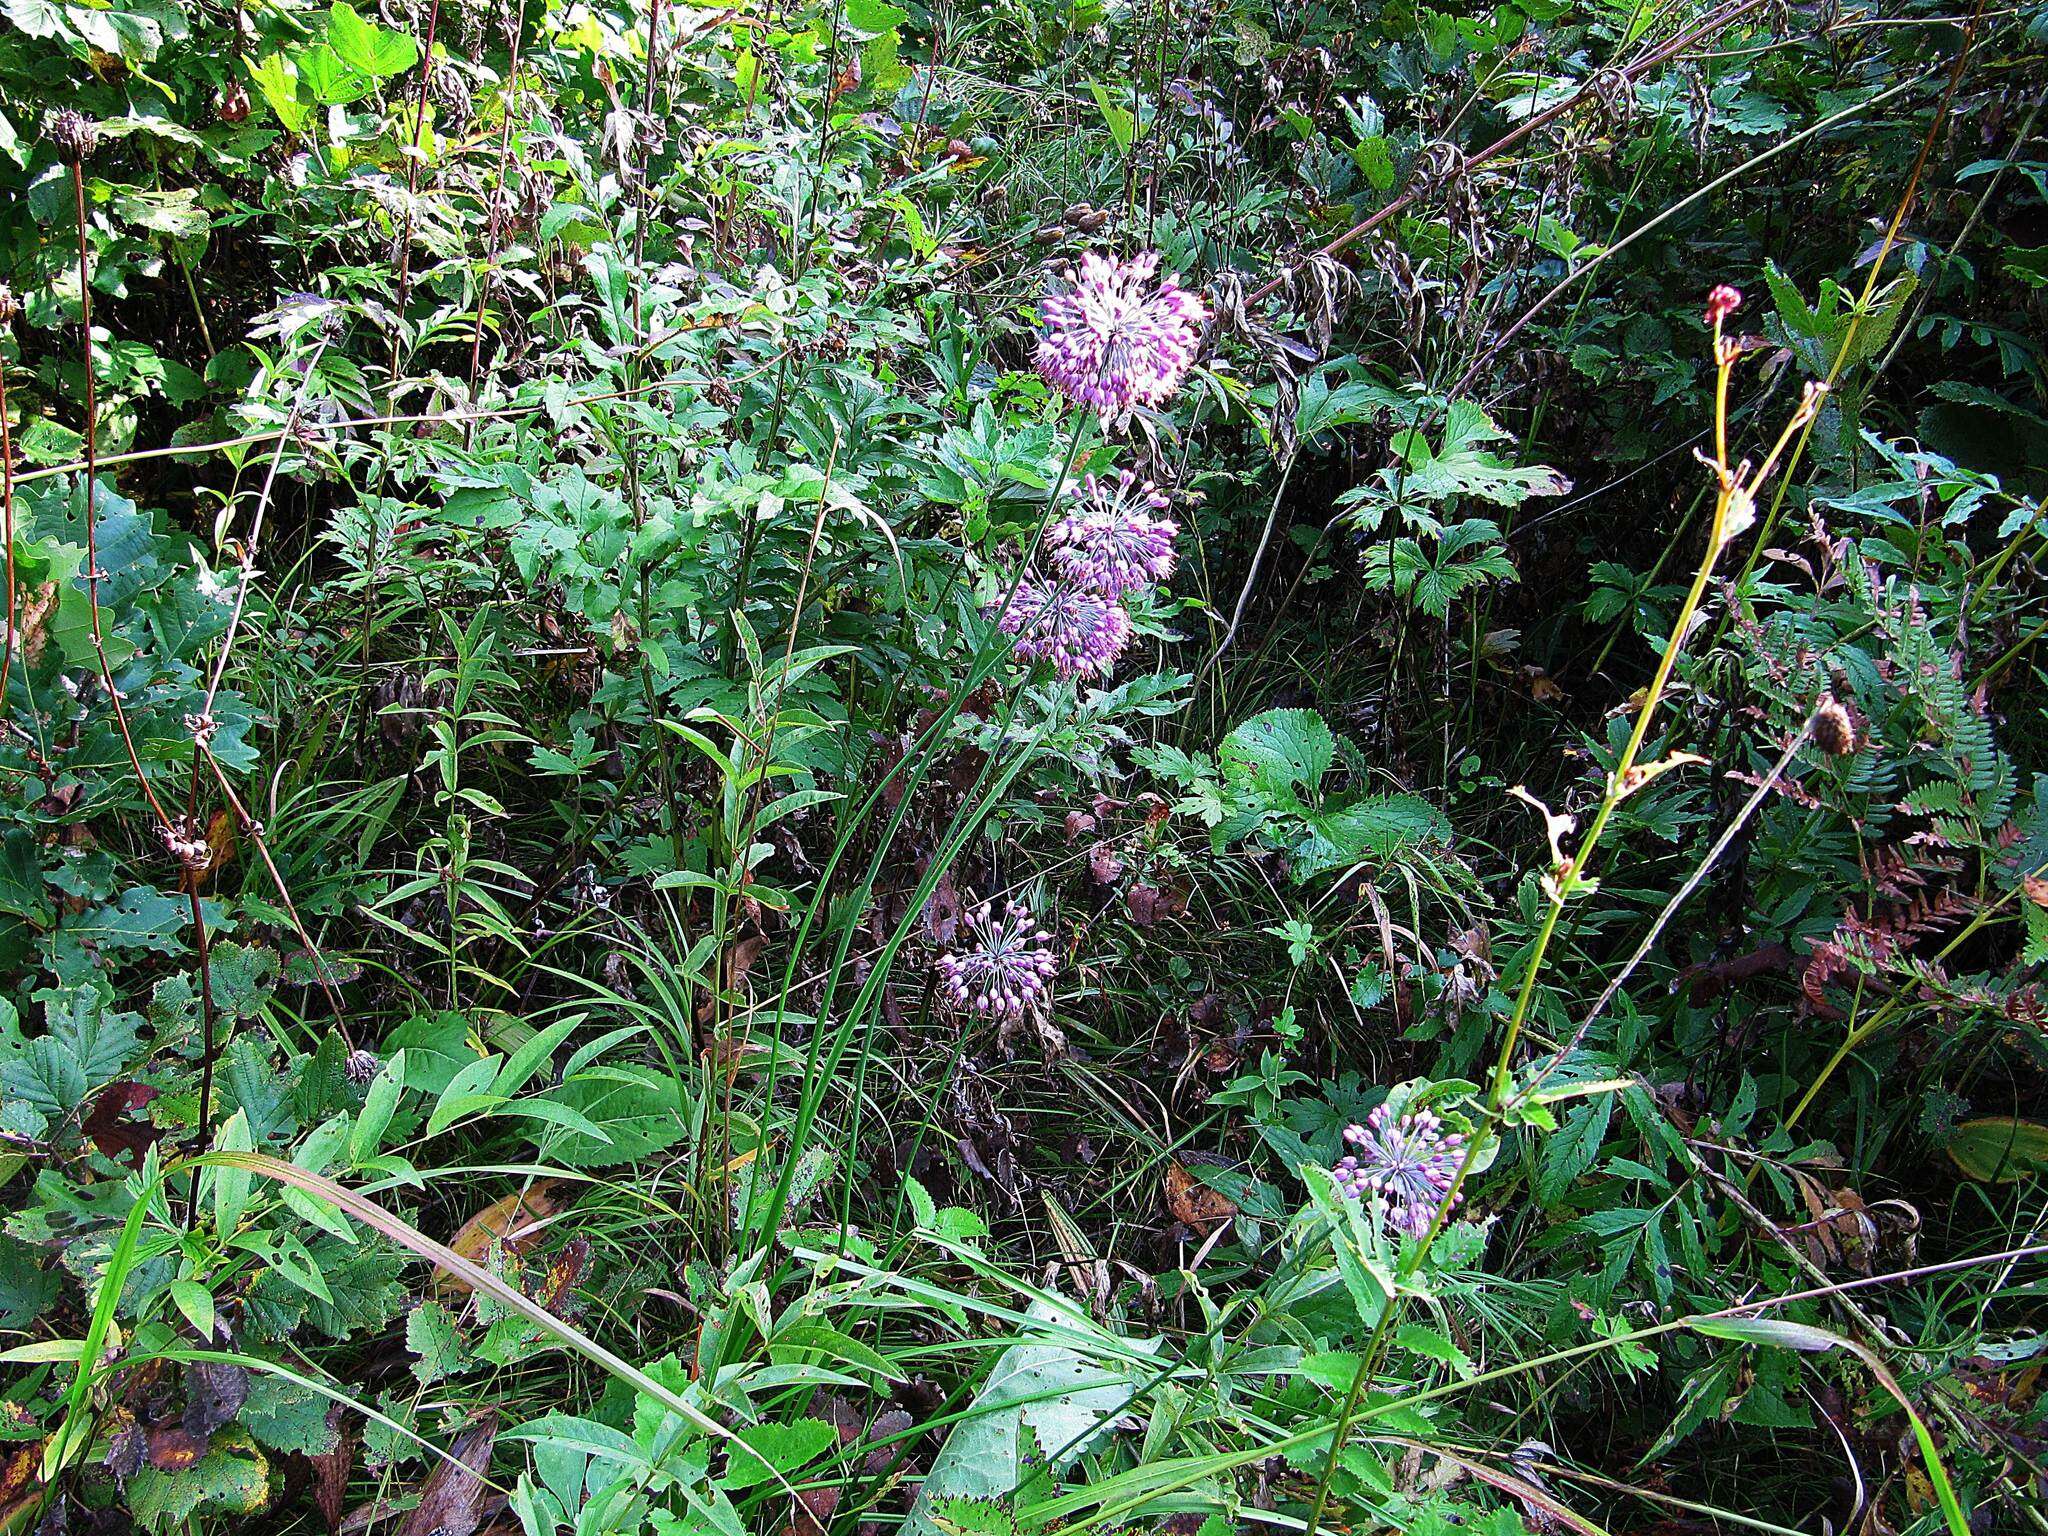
x=451, y=1499
x=330, y=1471
x=514, y=1223
x=1193, y=1203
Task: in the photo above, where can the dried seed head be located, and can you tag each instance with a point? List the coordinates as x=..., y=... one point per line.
x=362, y=1066
x=451, y=97
x=74, y=136
x=1834, y=728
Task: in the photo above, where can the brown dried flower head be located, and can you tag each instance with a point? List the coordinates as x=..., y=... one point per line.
x=1834, y=728
x=74, y=136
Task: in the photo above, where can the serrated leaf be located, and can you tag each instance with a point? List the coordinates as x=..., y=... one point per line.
x=431, y=1335
x=1283, y=753
x=1050, y=1392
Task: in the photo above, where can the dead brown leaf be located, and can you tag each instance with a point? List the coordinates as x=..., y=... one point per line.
x=1543, y=688
x=514, y=1223
x=172, y=1447
x=37, y=605
x=20, y=1480
x=1193, y=1203
x=330, y=1472
x=451, y=1499
x=562, y=1275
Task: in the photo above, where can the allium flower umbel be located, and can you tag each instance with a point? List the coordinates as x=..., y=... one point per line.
x=1110, y=542
x=1080, y=632
x=1408, y=1161
x=1002, y=971
x=1120, y=336
x=1722, y=302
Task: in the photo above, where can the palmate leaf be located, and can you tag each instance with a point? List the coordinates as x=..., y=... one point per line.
x=85, y=1044
x=1465, y=555
x=1819, y=333
x=1459, y=466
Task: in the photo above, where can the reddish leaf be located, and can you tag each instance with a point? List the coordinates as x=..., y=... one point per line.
x=109, y=1127
x=173, y=1447
x=812, y=1510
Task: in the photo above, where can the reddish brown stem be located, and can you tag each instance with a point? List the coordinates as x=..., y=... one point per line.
x=209, y=1050
x=252, y=829
x=6, y=517
x=93, y=574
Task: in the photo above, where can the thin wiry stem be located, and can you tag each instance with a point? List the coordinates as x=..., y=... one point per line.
x=510, y=97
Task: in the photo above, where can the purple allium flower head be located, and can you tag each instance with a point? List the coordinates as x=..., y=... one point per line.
x=1080, y=632
x=1002, y=971
x=1409, y=1161
x=1120, y=336
x=1110, y=542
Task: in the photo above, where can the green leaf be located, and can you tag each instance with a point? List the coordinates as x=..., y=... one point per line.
x=1432, y=1345
x=233, y=1478
x=287, y=1416
x=1570, y=1152
x=26, y=1286
x=372, y=49
x=231, y=1185
x=430, y=1333
x=1283, y=753
x=196, y=1302
x=1999, y=1149
x=1377, y=825
x=436, y=1048
x=767, y=1449
x=640, y=1112
x=1055, y=1393
x=1122, y=124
